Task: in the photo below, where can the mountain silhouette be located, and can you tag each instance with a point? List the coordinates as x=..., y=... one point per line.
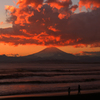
x=52, y=53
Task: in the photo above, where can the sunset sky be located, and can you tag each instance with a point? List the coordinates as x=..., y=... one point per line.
x=29, y=26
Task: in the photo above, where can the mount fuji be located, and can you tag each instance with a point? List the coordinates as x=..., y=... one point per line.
x=52, y=53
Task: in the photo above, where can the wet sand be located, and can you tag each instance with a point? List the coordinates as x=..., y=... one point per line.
x=71, y=97
x=85, y=95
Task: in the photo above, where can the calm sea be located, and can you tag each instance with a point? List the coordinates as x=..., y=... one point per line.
x=16, y=79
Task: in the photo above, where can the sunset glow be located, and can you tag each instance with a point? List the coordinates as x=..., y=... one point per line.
x=28, y=26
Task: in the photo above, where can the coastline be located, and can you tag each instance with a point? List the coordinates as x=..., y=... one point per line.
x=71, y=97
x=55, y=96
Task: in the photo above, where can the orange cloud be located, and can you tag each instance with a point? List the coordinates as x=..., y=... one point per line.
x=85, y=53
x=61, y=16
x=51, y=24
x=1, y=23
x=53, y=29
x=10, y=8
x=59, y=3
x=64, y=7
x=33, y=3
x=21, y=15
x=26, y=7
x=89, y=4
x=73, y=8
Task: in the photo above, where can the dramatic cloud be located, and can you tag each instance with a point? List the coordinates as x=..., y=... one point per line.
x=52, y=22
x=92, y=4
x=63, y=7
x=33, y=3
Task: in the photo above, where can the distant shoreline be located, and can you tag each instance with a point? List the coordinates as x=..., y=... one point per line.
x=50, y=62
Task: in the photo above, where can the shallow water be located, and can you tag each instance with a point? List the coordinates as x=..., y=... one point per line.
x=47, y=78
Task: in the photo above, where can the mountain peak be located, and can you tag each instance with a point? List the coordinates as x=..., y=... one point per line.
x=48, y=52
x=54, y=53
x=51, y=49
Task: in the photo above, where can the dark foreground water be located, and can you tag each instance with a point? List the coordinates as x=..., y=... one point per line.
x=48, y=78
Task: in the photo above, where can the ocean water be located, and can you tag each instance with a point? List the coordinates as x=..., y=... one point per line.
x=24, y=78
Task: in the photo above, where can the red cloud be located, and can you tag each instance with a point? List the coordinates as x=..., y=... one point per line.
x=26, y=7
x=53, y=29
x=10, y=8
x=90, y=4
x=59, y=3
x=85, y=53
x=1, y=23
x=63, y=7
x=33, y=3
x=50, y=25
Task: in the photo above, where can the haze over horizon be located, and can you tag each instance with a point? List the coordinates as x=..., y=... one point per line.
x=56, y=52
x=27, y=27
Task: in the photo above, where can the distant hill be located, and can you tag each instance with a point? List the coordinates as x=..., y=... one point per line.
x=51, y=55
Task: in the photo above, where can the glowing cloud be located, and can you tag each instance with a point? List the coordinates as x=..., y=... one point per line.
x=51, y=23
x=33, y=3
x=92, y=4
x=1, y=23
x=85, y=53
x=53, y=29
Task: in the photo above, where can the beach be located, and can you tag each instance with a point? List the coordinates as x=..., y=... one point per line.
x=61, y=97
x=84, y=95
